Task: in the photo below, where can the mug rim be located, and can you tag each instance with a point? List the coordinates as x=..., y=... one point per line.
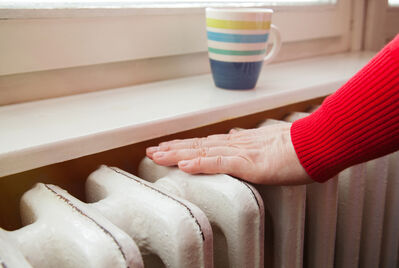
x=240, y=10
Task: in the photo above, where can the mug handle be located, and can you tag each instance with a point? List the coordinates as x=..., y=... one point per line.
x=275, y=34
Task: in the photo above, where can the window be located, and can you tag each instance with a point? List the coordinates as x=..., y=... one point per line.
x=127, y=3
x=393, y=3
x=50, y=34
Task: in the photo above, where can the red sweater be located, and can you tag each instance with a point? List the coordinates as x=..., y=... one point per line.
x=357, y=123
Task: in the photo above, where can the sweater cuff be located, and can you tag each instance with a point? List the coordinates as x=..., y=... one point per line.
x=310, y=148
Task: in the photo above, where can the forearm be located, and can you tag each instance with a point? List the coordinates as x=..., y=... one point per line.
x=357, y=123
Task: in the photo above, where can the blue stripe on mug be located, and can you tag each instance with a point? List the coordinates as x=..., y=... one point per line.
x=237, y=38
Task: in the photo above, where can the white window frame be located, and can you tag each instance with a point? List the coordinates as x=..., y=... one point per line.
x=381, y=24
x=47, y=39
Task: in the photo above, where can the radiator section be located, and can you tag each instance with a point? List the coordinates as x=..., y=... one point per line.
x=321, y=217
x=373, y=212
x=232, y=206
x=390, y=237
x=349, y=219
x=61, y=231
x=161, y=223
x=10, y=254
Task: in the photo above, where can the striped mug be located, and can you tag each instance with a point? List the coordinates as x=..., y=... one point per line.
x=237, y=40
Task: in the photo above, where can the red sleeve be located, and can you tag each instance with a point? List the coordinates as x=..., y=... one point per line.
x=357, y=123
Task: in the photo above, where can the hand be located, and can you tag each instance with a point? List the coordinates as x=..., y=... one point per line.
x=263, y=155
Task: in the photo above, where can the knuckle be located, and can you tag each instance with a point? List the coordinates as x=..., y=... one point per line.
x=199, y=162
x=197, y=143
x=219, y=160
x=203, y=152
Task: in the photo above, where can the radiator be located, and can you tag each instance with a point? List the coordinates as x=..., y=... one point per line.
x=163, y=217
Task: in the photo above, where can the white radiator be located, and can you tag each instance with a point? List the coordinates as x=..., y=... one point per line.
x=164, y=217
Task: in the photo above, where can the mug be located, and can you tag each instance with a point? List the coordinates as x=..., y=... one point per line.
x=237, y=41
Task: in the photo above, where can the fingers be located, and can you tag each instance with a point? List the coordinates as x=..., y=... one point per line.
x=151, y=150
x=232, y=165
x=196, y=143
x=169, y=158
x=237, y=137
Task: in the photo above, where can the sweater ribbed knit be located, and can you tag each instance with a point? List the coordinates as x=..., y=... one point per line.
x=359, y=122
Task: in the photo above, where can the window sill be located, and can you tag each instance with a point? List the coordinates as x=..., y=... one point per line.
x=40, y=133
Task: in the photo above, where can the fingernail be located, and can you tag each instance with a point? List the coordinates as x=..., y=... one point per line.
x=159, y=154
x=152, y=149
x=235, y=130
x=183, y=163
x=164, y=147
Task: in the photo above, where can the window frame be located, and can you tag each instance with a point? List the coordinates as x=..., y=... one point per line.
x=48, y=39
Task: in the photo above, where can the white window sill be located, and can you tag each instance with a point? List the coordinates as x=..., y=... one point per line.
x=44, y=132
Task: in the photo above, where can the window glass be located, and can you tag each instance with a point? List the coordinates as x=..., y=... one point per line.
x=127, y=3
x=393, y=2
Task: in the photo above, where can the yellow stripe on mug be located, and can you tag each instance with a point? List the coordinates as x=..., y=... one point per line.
x=238, y=25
